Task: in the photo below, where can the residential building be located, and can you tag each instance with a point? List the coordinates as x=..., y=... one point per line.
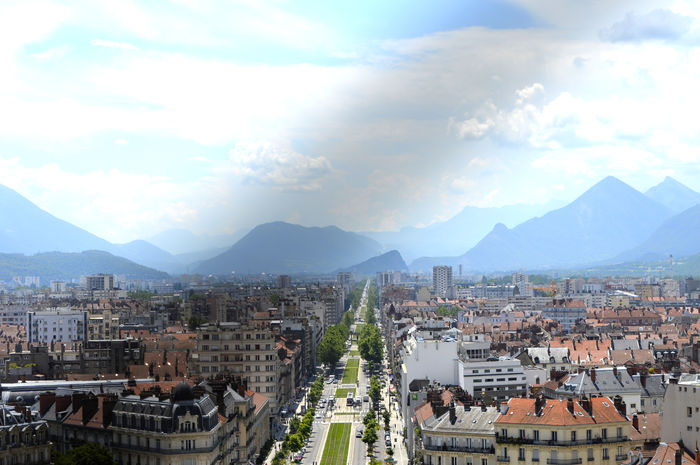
x=56, y=325
x=24, y=437
x=615, y=381
x=99, y=282
x=566, y=312
x=680, y=419
x=459, y=435
x=492, y=379
x=563, y=432
x=442, y=281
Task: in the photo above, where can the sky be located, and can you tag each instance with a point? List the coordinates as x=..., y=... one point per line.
x=131, y=118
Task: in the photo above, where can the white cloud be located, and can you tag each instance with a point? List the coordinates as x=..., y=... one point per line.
x=121, y=142
x=277, y=165
x=656, y=24
x=113, y=44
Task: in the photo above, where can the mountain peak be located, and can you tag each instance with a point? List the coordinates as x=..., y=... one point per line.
x=673, y=194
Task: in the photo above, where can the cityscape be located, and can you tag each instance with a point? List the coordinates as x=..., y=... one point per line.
x=349, y=233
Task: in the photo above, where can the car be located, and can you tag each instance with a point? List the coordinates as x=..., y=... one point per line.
x=319, y=415
x=359, y=433
x=365, y=399
x=388, y=442
x=330, y=381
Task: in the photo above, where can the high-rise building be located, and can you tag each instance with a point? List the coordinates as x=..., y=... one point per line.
x=442, y=280
x=99, y=282
x=284, y=281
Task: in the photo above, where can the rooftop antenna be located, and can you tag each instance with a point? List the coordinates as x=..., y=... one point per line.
x=670, y=259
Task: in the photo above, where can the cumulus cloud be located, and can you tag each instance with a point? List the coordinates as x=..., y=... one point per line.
x=659, y=24
x=273, y=164
x=113, y=44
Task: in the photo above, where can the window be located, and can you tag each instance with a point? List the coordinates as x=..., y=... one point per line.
x=605, y=433
x=554, y=436
x=589, y=435
x=536, y=435
x=606, y=456
x=504, y=433
x=521, y=454
x=690, y=411
x=535, y=455
x=573, y=436
x=619, y=432
x=522, y=434
x=590, y=454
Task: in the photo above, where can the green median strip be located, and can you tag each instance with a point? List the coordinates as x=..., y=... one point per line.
x=342, y=393
x=337, y=444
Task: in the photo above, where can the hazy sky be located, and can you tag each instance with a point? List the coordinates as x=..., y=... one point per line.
x=131, y=118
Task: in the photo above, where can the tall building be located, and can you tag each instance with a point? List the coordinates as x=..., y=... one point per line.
x=58, y=287
x=284, y=281
x=442, y=280
x=99, y=282
x=58, y=324
x=522, y=281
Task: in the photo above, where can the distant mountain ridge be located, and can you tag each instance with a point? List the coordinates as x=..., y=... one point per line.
x=281, y=247
x=459, y=233
x=390, y=261
x=68, y=265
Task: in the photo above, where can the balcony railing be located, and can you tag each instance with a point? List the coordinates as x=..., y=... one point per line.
x=503, y=458
x=472, y=450
x=564, y=461
x=549, y=442
x=620, y=457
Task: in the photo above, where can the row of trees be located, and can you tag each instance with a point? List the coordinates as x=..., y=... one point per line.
x=370, y=344
x=300, y=430
x=332, y=346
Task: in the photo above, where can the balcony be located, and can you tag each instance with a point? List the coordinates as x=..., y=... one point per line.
x=620, y=457
x=470, y=450
x=503, y=458
x=564, y=461
x=549, y=442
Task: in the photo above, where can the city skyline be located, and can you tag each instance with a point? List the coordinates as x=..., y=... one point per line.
x=129, y=120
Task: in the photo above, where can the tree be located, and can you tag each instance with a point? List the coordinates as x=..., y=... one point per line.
x=196, y=321
x=294, y=425
x=387, y=419
x=370, y=344
x=375, y=391
x=294, y=443
x=87, y=454
x=370, y=436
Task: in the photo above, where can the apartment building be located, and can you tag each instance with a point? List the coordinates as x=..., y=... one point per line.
x=103, y=325
x=442, y=281
x=24, y=437
x=566, y=312
x=182, y=429
x=459, y=435
x=57, y=324
x=680, y=420
x=245, y=350
x=563, y=432
x=99, y=282
x=493, y=379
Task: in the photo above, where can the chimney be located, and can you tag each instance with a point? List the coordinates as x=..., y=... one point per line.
x=453, y=413
x=593, y=375
x=643, y=378
x=62, y=403
x=46, y=399
x=615, y=371
x=504, y=408
x=678, y=456
x=586, y=405
x=570, y=406
x=620, y=405
x=77, y=400
x=635, y=421
x=539, y=403
x=697, y=456
x=90, y=407
x=108, y=403
x=596, y=345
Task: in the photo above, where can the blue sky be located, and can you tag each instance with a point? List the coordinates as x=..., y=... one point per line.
x=130, y=118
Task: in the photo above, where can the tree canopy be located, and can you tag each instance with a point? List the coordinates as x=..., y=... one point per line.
x=87, y=454
x=370, y=344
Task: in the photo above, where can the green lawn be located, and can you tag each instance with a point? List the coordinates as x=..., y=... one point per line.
x=352, y=363
x=342, y=393
x=354, y=353
x=350, y=375
x=337, y=444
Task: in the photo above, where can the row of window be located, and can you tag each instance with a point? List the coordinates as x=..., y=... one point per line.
x=206, y=347
x=498, y=370
x=554, y=435
x=236, y=336
x=498, y=380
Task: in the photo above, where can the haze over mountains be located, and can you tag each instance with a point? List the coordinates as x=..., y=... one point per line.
x=609, y=223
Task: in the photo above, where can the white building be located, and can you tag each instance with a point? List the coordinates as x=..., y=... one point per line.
x=58, y=324
x=442, y=280
x=680, y=418
x=498, y=379
x=58, y=287
x=99, y=282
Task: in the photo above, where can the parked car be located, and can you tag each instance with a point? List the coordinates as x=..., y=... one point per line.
x=359, y=433
x=388, y=442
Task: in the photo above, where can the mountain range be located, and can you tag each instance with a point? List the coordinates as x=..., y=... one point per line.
x=610, y=223
x=280, y=247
